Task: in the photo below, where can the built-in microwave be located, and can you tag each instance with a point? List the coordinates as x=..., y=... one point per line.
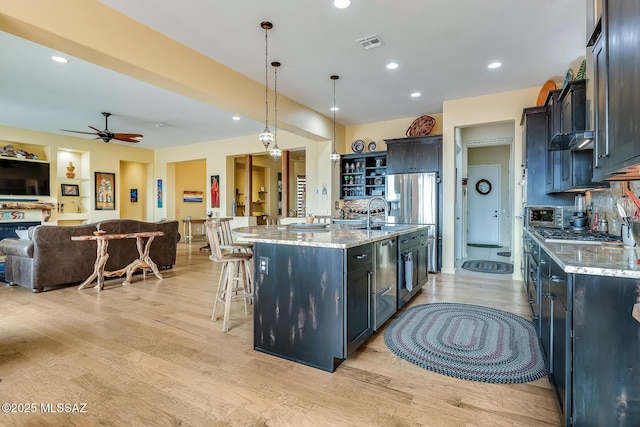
x=549, y=216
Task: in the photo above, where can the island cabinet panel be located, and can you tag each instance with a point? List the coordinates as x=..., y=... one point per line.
x=299, y=304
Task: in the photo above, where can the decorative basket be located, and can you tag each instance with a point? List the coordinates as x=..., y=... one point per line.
x=421, y=126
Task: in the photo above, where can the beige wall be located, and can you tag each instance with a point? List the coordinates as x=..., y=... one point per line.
x=134, y=175
x=191, y=176
x=380, y=131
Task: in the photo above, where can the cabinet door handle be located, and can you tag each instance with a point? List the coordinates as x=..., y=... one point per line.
x=388, y=243
x=369, y=275
x=361, y=256
x=543, y=262
x=404, y=241
x=557, y=279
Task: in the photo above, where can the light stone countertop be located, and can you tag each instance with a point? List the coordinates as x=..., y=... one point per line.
x=596, y=260
x=333, y=236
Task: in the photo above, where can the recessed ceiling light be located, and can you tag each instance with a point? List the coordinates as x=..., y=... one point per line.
x=416, y=94
x=60, y=59
x=335, y=109
x=392, y=66
x=341, y=4
x=495, y=65
x=235, y=118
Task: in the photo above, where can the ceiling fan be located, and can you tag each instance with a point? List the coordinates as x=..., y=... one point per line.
x=106, y=135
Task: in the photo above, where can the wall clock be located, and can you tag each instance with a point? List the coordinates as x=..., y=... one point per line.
x=483, y=186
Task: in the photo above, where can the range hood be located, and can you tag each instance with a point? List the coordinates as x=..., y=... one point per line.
x=582, y=140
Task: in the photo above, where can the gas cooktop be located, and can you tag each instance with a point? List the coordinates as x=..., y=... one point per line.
x=588, y=237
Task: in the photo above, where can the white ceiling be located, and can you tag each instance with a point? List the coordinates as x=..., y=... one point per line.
x=443, y=48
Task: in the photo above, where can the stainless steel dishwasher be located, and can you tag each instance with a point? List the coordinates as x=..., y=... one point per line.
x=385, y=281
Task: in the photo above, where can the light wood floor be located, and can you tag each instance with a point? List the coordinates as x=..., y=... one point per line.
x=148, y=355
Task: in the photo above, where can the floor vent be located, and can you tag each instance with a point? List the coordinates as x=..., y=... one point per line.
x=370, y=42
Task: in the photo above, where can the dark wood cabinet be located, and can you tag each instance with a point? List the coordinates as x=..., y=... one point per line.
x=569, y=170
x=363, y=175
x=414, y=154
x=618, y=58
x=536, y=132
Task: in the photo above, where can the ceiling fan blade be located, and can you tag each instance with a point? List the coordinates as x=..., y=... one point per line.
x=126, y=139
x=97, y=130
x=77, y=131
x=127, y=135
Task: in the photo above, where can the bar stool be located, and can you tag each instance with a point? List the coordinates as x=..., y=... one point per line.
x=236, y=280
x=226, y=238
x=323, y=219
x=272, y=220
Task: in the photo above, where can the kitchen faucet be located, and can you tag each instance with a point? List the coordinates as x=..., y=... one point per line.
x=386, y=209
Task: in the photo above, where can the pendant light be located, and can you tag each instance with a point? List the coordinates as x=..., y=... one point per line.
x=334, y=156
x=266, y=137
x=275, y=152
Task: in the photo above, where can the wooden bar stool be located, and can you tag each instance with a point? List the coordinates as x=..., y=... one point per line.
x=226, y=238
x=236, y=280
x=272, y=220
x=323, y=219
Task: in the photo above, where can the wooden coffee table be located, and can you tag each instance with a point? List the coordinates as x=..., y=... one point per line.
x=144, y=261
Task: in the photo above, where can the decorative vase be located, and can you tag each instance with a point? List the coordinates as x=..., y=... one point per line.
x=70, y=171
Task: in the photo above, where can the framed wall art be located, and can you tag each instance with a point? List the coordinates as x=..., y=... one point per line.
x=215, y=191
x=192, y=196
x=105, y=191
x=133, y=195
x=70, y=190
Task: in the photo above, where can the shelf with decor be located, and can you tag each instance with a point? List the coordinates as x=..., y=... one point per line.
x=363, y=175
x=74, y=185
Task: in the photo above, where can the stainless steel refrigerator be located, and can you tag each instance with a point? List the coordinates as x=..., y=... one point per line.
x=415, y=198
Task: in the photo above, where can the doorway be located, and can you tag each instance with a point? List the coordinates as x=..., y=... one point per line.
x=484, y=158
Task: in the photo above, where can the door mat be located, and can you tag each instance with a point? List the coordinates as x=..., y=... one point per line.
x=507, y=254
x=486, y=266
x=480, y=245
x=468, y=341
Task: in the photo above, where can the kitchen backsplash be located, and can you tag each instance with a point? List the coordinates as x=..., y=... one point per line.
x=604, y=202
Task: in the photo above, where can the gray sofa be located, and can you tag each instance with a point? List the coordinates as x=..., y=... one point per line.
x=50, y=258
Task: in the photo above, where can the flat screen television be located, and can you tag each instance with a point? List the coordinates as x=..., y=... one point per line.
x=24, y=178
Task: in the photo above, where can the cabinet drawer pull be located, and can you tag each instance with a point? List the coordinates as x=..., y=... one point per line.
x=361, y=256
x=543, y=262
x=557, y=279
x=404, y=241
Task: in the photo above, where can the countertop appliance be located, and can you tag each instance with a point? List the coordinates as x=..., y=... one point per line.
x=587, y=237
x=415, y=198
x=549, y=216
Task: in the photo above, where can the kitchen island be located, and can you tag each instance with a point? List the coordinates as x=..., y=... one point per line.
x=314, y=296
x=586, y=302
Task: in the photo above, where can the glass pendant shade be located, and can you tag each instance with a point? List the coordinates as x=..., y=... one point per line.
x=266, y=137
x=334, y=157
x=276, y=152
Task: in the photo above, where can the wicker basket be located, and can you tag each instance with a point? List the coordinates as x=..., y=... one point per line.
x=421, y=126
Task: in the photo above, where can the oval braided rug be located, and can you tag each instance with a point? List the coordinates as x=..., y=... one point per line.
x=468, y=341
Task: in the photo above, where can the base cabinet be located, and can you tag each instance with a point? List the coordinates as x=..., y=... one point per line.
x=358, y=314
x=591, y=345
x=413, y=264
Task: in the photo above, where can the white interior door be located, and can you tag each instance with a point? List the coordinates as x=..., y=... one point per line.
x=483, y=204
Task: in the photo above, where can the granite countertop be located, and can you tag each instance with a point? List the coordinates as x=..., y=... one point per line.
x=596, y=260
x=333, y=236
